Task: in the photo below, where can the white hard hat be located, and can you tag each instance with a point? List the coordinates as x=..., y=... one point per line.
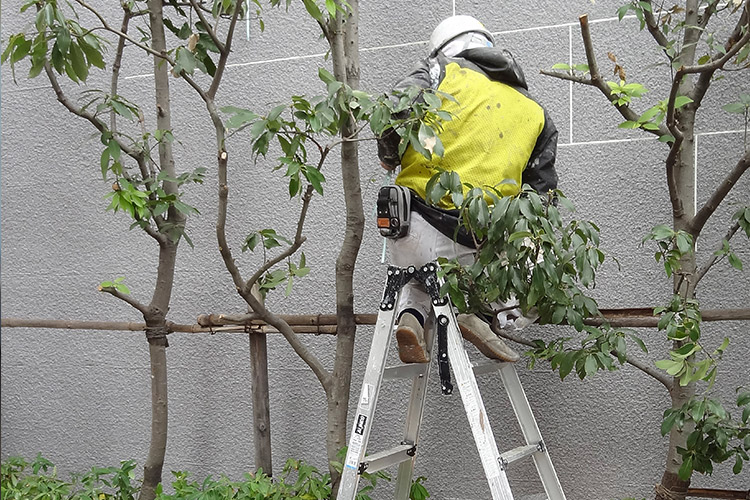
x=455, y=26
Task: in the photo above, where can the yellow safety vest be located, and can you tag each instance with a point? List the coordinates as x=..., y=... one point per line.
x=490, y=138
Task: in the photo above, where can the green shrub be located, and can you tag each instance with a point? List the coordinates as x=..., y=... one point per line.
x=38, y=480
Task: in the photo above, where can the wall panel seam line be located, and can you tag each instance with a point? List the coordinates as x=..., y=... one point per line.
x=570, y=84
x=642, y=139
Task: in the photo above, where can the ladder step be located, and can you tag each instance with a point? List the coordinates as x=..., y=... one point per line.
x=405, y=371
x=487, y=367
x=518, y=453
x=386, y=458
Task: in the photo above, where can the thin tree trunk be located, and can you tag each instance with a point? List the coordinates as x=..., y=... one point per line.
x=152, y=470
x=261, y=407
x=683, y=211
x=345, y=51
x=157, y=311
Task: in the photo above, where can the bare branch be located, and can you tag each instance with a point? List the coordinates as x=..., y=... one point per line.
x=117, y=62
x=715, y=258
x=705, y=78
x=567, y=76
x=696, y=225
x=207, y=26
x=126, y=298
x=653, y=27
x=224, y=54
x=651, y=371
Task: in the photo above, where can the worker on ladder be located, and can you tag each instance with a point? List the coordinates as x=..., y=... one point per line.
x=498, y=133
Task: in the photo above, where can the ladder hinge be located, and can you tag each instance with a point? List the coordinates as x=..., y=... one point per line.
x=362, y=468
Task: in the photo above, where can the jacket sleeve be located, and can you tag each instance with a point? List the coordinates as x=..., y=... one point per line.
x=388, y=142
x=540, y=172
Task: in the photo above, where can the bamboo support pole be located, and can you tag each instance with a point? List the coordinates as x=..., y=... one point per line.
x=325, y=324
x=714, y=493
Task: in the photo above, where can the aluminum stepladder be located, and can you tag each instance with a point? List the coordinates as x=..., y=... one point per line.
x=450, y=348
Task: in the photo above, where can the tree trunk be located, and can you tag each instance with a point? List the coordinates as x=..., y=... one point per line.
x=152, y=469
x=683, y=211
x=345, y=52
x=157, y=312
x=261, y=410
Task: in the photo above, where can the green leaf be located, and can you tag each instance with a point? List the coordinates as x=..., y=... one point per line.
x=331, y=7
x=78, y=62
x=735, y=261
x=639, y=342
x=93, y=54
x=590, y=365
x=185, y=208
x=561, y=66
x=669, y=419
x=686, y=469
x=629, y=124
x=734, y=107
x=519, y=235
x=737, y=465
x=566, y=366
x=681, y=100
x=666, y=138
x=313, y=10
x=315, y=177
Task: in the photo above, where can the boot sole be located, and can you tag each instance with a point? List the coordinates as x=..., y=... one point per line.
x=485, y=349
x=409, y=348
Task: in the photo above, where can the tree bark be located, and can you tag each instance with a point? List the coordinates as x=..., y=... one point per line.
x=156, y=328
x=683, y=212
x=345, y=52
x=261, y=405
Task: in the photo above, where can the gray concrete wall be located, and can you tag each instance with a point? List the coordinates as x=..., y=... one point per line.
x=82, y=397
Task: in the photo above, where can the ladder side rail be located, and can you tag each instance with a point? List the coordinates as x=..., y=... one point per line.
x=371, y=383
x=530, y=431
x=414, y=415
x=474, y=406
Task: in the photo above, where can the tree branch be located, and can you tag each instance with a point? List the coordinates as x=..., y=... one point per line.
x=138, y=156
x=126, y=298
x=207, y=26
x=705, y=78
x=696, y=224
x=298, y=240
x=121, y=34
x=224, y=53
x=598, y=82
x=653, y=28
x=653, y=372
x=116, y=64
x=715, y=258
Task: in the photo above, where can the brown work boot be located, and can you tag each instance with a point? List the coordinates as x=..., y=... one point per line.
x=410, y=338
x=481, y=335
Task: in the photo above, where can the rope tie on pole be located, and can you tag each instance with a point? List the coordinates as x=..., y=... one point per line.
x=157, y=335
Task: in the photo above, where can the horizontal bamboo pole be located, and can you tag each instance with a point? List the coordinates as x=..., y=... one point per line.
x=326, y=323
x=713, y=493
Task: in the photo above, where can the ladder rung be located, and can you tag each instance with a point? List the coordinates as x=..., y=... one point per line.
x=386, y=458
x=404, y=371
x=488, y=367
x=518, y=453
